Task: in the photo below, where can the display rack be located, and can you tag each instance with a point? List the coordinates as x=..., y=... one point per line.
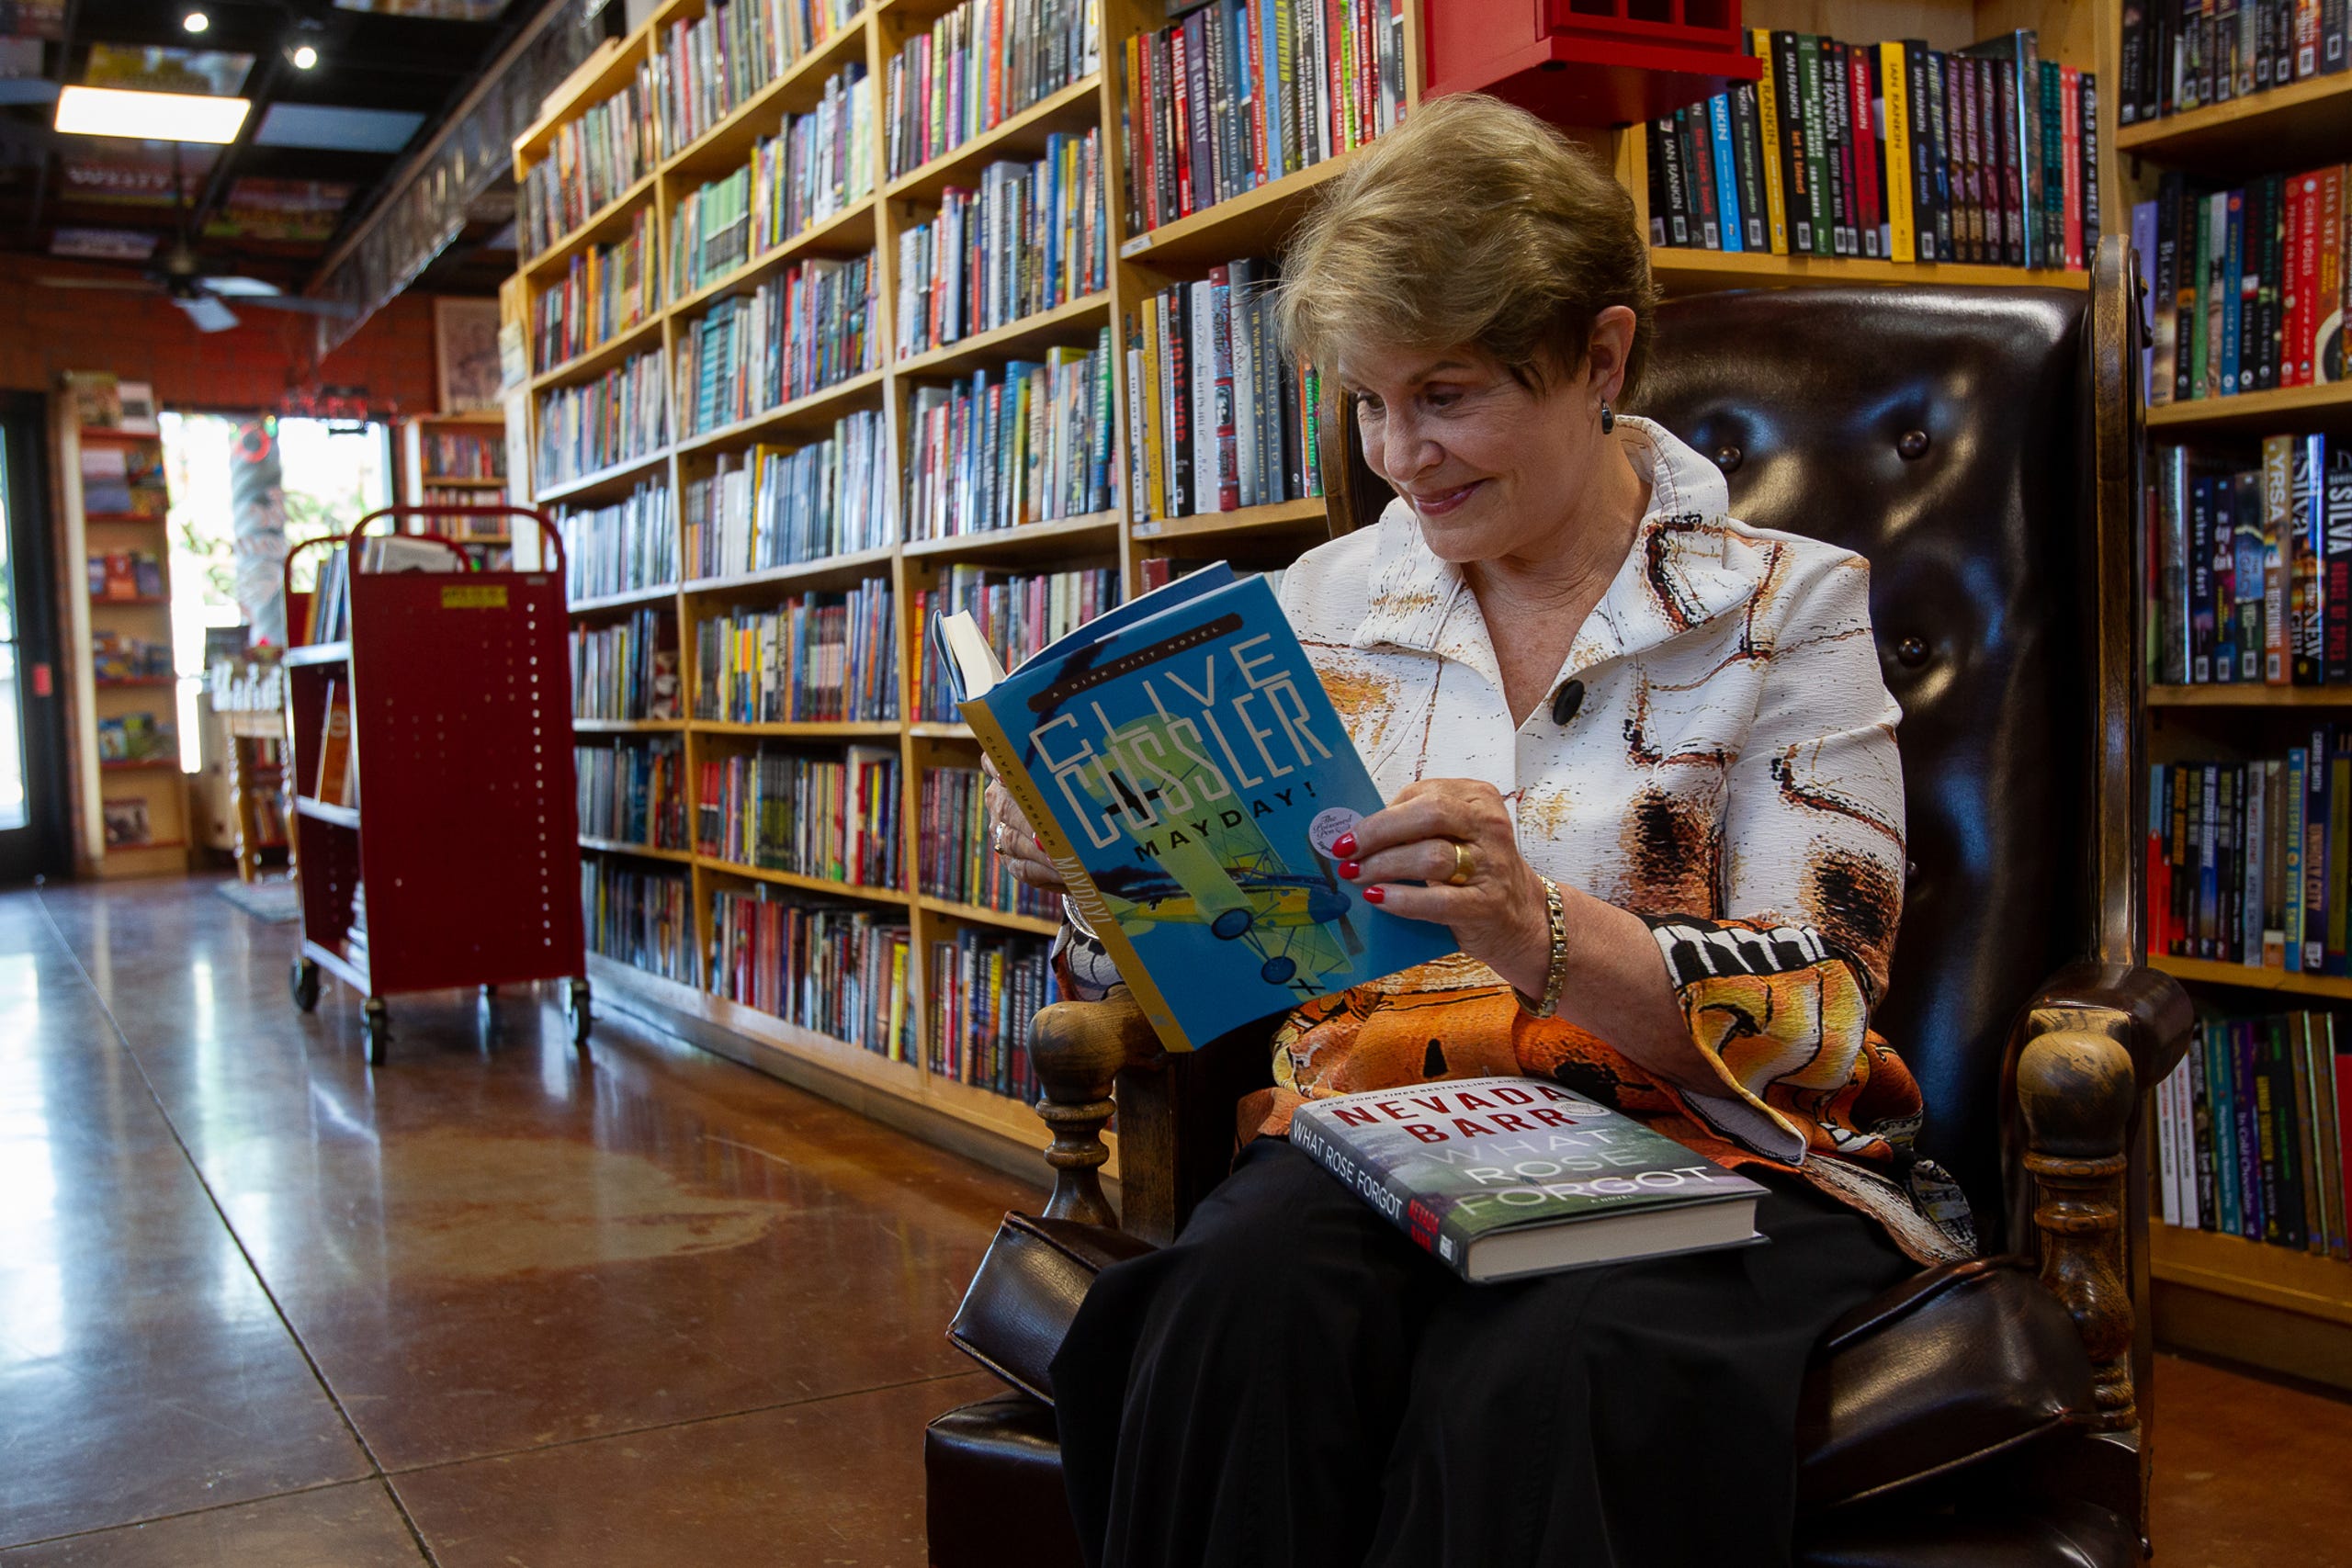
x=478, y=477
x=132, y=815
x=464, y=838
x=1253, y=224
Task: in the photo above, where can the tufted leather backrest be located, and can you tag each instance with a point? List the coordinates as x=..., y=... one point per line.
x=1943, y=434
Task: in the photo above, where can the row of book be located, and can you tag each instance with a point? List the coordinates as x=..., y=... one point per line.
x=2178, y=55
x=816, y=164
x=817, y=816
x=2250, y=566
x=627, y=669
x=589, y=161
x=980, y=64
x=616, y=418
x=1030, y=443
x=2250, y=1132
x=953, y=857
x=124, y=478
x=114, y=656
x=798, y=332
x=770, y=507
x=2247, y=860
x=837, y=969
x=479, y=528
x=1018, y=613
x=984, y=988
x=632, y=791
x=641, y=918
x=706, y=67
x=1032, y=237
x=620, y=548
x=2247, y=285
x=815, y=659
x=1241, y=93
x=1218, y=417
x=126, y=574
x=461, y=454
x=1889, y=151
x=604, y=291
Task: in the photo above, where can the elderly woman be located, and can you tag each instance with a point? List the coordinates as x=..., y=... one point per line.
x=1641, y=764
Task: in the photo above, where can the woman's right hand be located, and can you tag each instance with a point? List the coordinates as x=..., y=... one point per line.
x=1011, y=837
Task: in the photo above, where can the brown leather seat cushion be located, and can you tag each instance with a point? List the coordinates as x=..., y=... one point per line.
x=1950, y=1367
x=994, y=1497
x=2039, y=1534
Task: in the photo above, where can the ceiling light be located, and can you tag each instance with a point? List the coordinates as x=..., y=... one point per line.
x=195, y=21
x=150, y=116
x=302, y=57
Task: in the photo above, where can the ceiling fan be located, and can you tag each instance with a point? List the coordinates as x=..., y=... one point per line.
x=180, y=276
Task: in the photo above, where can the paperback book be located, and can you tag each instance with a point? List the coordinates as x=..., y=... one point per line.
x=1188, y=776
x=1499, y=1178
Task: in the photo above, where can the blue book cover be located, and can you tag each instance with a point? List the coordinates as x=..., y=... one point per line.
x=1726, y=173
x=2293, y=839
x=2214, y=1036
x=2233, y=280
x=1188, y=776
x=1269, y=71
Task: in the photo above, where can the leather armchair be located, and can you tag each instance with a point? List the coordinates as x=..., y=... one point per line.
x=1981, y=448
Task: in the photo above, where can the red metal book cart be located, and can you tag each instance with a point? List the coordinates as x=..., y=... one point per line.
x=463, y=832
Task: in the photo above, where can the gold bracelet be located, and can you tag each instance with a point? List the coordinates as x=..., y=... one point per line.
x=1556, y=974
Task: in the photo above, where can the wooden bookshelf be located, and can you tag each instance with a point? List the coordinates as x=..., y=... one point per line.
x=2249, y=694
x=1254, y=223
x=2324, y=407
x=413, y=443
x=154, y=782
x=2249, y=976
x=2302, y=123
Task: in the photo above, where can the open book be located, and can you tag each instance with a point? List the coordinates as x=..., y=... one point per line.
x=1187, y=773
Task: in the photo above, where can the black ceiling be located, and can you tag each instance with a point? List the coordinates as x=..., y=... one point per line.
x=366, y=60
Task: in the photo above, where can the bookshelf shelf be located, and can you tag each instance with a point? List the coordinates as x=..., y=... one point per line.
x=1063, y=324
x=794, y=90
x=800, y=729
x=2305, y=121
x=632, y=599
x=816, y=411
x=608, y=222
x=2336, y=987
x=134, y=682
x=2248, y=694
x=1283, y=516
x=121, y=517
x=936, y=729
x=2308, y=1284
x=811, y=884
x=1098, y=528
x=847, y=568
x=848, y=230
x=980, y=914
x=1252, y=223
x=606, y=482
x=137, y=764
x=620, y=847
x=1074, y=108
x=2324, y=407
x=629, y=341
x=147, y=601
x=450, y=482
x=629, y=726
x=1682, y=271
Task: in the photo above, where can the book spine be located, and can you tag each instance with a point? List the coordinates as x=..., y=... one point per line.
x=1228, y=470
x=1747, y=163
x=1795, y=136
x=1667, y=156
x=2208, y=1208
x=1900, y=187
x=1771, y=143
x=1727, y=208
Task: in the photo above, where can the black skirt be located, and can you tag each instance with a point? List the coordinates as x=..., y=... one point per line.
x=1293, y=1384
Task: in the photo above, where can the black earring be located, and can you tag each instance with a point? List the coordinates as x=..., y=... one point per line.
x=1608, y=420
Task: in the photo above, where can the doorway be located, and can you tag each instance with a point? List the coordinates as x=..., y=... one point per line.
x=33, y=805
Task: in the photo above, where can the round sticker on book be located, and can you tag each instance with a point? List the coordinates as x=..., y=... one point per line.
x=1325, y=831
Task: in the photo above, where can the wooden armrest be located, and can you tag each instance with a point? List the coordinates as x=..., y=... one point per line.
x=1078, y=1050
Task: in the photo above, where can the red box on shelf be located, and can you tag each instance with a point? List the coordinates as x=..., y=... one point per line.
x=1590, y=63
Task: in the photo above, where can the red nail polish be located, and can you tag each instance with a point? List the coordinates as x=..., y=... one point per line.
x=1350, y=870
x=1344, y=845
x=1375, y=894
x=1038, y=840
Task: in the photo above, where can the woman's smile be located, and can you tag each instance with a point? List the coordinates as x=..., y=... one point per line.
x=1438, y=502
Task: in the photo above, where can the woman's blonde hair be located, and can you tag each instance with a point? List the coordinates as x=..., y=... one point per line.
x=1472, y=223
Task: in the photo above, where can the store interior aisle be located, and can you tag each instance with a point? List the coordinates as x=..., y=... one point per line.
x=492, y=1303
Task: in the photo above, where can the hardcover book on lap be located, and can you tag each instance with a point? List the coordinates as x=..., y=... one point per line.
x=1188, y=776
x=1497, y=1178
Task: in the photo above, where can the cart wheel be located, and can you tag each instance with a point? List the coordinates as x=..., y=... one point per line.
x=378, y=1022
x=303, y=981
x=575, y=1002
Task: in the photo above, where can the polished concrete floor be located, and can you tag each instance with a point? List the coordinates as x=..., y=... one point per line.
x=496, y=1304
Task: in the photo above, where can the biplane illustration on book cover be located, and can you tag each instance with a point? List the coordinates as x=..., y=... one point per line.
x=1188, y=776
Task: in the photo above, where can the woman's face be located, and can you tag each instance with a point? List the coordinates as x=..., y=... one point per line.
x=1492, y=468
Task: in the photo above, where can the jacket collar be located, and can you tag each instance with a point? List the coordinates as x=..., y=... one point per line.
x=1690, y=564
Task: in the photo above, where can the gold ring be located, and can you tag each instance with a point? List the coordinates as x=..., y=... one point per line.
x=996, y=839
x=1462, y=864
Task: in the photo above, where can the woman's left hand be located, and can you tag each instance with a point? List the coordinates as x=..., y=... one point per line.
x=1435, y=829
